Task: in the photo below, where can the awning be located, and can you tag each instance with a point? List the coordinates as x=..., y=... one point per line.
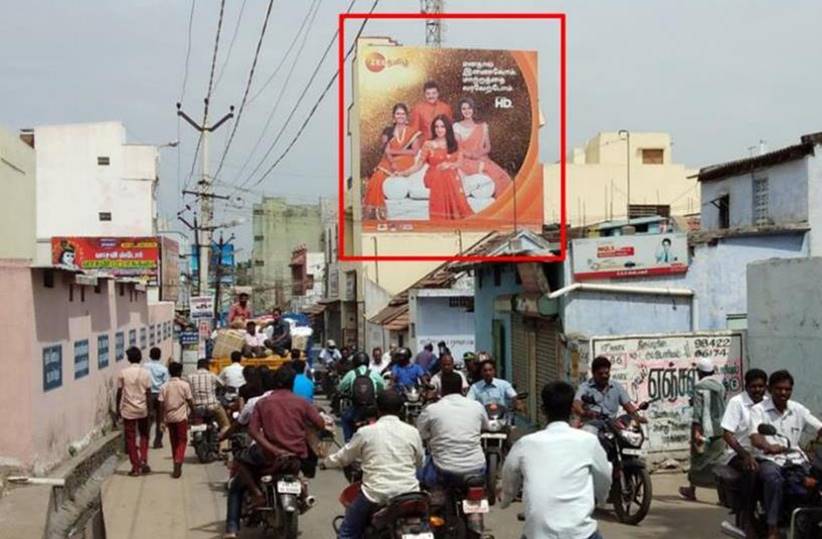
x=401, y=322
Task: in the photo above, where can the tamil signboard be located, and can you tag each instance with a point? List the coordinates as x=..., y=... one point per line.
x=448, y=139
x=52, y=367
x=630, y=256
x=202, y=307
x=661, y=369
x=134, y=257
x=169, y=270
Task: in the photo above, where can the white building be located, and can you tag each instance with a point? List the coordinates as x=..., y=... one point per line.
x=17, y=205
x=90, y=182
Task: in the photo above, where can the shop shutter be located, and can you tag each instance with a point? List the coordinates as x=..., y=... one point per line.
x=519, y=353
x=547, y=367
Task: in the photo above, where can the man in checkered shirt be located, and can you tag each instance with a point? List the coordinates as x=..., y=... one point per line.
x=204, y=384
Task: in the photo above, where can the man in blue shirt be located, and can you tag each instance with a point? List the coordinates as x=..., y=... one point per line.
x=493, y=390
x=303, y=386
x=404, y=373
x=159, y=376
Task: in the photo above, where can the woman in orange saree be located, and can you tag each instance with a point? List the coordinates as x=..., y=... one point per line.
x=401, y=144
x=475, y=145
x=447, y=198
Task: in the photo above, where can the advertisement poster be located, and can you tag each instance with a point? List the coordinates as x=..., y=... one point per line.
x=81, y=354
x=119, y=346
x=102, y=351
x=202, y=307
x=52, y=367
x=448, y=139
x=627, y=256
x=661, y=370
x=169, y=270
x=137, y=257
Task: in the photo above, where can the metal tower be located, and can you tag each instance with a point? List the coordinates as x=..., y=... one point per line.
x=433, y=27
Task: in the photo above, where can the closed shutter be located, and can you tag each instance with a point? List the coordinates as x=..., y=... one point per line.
x=547, y=368
x=519, y=353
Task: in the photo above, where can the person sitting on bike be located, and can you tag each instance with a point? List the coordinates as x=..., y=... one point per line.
x=599, y=398
x=447, y=367
x=775, y=453
x=404, y=373
x=391, y=452
x=278, y=426
x=493, y=390
x=204, y=384
x=452, y=427
x=361, y=385
x=330, y=354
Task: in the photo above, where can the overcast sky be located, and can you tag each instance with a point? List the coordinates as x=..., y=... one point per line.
x=718, y=76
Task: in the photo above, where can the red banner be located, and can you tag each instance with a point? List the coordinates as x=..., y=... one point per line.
x=134, y=257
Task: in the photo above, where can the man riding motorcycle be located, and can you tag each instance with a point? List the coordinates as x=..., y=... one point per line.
x=447, y=367
x=492, y=389
x=452, y=426
x=390, y=451
x=606, y=396
x=789, y=419
x=361, y=385
x=403, y=372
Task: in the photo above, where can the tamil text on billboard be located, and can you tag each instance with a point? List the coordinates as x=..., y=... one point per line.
x=134, y=257
x=626, y=256
x=448, y=139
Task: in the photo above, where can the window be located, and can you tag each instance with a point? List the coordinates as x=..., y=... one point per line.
x=48, y=279
x=71, y=292
x=82, y=293
x=104, y=215
x=259, y=263
x=497, y=275
x=258, y=212
x=760, y=201
x=652, y=156
x=122, y=288
x=258, y=238
x=103, y=161
x=724, y=205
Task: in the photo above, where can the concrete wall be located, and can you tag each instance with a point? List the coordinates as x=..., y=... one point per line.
x=815, y=204
x=51, y=423
x=17, y=205
x=72, y=189
x=785, y=323
x=434, y=320
x=787, y=195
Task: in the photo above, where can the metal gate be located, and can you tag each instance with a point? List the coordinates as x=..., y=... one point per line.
x=547, y=364
x=520, y=364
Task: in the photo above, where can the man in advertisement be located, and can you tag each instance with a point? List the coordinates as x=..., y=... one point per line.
x=423, y=113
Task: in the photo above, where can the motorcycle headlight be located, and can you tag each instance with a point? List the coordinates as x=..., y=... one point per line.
x=494, y=425
x=633, y=438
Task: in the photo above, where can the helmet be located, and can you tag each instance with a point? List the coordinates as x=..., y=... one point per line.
x=331, y=343
x=402, y=353
x=360, y=358
x=469, y=356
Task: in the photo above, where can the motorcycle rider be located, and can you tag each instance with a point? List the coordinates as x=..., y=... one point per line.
x=390, y=452
x=447, y=367
x=606, y=395
x=361, y=385
x=204, y=384
x=736, y=427
x=452, y=427
x=492, y=389
x=790, y=419
x=404, y=373
x=330, y=354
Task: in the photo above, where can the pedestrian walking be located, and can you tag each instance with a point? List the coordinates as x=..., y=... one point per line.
x=159, y=376
x=176, y=402
x=133, y=394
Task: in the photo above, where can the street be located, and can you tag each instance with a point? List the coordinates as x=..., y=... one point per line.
x=194, y=506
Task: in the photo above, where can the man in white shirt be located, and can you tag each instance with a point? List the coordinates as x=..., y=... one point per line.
x=330, y=355
x=452, y=426
x=390, y=452
x=232, y=376
x=562, y=472
x=447, y=366
x=790, y=419
x=254, y=341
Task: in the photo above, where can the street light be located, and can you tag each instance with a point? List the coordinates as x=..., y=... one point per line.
x=627, y=135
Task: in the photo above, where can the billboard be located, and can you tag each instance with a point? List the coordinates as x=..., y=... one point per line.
x=448, y=139
x=133, y=257
x=629, y=256
x=169, y=270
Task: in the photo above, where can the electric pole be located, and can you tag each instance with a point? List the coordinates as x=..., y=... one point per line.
x=433, y=27
x=204, y=194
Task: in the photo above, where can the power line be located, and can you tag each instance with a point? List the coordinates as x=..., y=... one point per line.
x=319, y=100
x=230, y=45
x=299, y=100
x=247, y=89
x=188, y=52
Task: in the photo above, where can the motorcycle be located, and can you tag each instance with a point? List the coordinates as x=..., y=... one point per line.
x=494, y=441
x=205, y=435
x=631, y=489
x=404, y=517
x=412, y=407
x=457, y=509
x=801, y=507
x=283, y=492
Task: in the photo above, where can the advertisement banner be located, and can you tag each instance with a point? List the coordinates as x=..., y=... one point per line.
x=134, y=257
x=202, y=307
x=448, y=139
x=169, y=270
x=52, y=367
x=661, y=369
x=629, y=256
x=81, y=358
x=102, y=351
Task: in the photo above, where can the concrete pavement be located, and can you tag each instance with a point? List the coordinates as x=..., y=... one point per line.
x=157, y=506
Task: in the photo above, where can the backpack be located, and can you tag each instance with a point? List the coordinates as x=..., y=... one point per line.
x=362, y=390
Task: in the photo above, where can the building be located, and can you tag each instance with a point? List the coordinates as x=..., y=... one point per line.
x=307, y=278
x=91, y=182
x=600, y=175
x=18, y=212
x=280, y=227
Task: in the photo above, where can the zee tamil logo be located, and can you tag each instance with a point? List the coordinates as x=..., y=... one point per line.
x=375, y=62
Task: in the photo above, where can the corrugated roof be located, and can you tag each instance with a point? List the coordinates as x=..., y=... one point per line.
x=750, y=164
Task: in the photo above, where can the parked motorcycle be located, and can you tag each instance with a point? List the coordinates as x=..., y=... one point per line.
x=802, y=503
x=494, y=441
x=205, y=435
x=457, y=509
x=631, y=489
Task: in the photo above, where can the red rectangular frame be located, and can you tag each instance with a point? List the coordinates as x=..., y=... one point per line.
x=341, y=135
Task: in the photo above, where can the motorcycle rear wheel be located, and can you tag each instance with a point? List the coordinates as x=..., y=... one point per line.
x=632, y=506
x=203, y=452
x=493, y=465
x=292, y=525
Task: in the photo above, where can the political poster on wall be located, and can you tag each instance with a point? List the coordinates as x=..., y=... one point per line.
x=448, y=138
x=630, y=256
x=134, y=257
x=661, y=369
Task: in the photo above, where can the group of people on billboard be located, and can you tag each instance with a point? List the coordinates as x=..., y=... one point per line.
x=452, y=150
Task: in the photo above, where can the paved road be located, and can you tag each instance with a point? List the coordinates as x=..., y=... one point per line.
x=157, y=506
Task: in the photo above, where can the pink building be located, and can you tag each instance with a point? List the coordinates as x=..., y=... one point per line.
x=63, y=337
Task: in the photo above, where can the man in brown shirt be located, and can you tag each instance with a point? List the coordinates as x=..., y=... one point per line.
x=176, y=401
x=133, y=394
x=423, y=114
